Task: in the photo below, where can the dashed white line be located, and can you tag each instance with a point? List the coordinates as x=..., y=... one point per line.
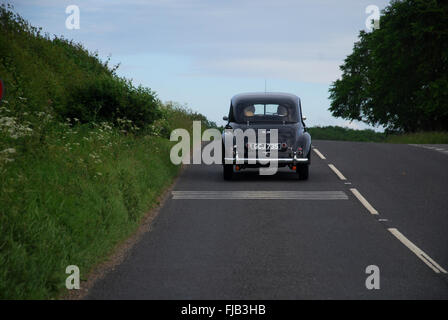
x=363, y=200
x=319, y=154
x=338, y=173
x=417, y=251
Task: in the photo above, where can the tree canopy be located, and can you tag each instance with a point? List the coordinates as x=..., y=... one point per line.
x=397, y=75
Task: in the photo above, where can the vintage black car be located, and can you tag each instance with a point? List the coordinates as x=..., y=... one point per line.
x=264, y=112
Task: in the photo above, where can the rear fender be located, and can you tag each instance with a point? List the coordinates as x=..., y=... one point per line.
x=304, y=141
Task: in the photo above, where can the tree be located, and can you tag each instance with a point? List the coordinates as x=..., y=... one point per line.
x=397, y=76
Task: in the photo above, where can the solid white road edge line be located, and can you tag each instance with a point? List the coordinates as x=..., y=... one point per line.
x=338, y=173
x=417, y=251
x=319, y=154
x=363, y=200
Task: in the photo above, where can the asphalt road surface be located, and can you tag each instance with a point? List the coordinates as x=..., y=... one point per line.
x=275, y=237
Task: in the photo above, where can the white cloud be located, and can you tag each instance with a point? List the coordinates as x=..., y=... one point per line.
x=315, y=71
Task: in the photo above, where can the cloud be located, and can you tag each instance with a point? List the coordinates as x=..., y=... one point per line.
x=314, y=71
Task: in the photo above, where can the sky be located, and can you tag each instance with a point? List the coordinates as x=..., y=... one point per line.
x=202, y=52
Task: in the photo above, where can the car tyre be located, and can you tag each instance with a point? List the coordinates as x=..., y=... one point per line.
x=303, y=171
x=227, y=171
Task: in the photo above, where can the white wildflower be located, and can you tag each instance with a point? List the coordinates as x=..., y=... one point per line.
x=9, y=150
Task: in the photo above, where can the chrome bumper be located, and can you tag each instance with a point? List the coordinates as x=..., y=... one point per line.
x=265, y=160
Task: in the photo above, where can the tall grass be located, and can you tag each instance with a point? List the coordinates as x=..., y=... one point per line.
x=72, y=201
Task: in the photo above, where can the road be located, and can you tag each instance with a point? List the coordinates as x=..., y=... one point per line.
x=315, y=243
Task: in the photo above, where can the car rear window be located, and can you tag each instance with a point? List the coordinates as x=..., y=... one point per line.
x=266, y=112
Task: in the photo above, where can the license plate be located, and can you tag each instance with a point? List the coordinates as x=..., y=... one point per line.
x=264, y=146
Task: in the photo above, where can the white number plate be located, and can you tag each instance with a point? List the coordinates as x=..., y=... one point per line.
x=263, y=146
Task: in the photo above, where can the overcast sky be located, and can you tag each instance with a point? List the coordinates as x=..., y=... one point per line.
x=202, y=52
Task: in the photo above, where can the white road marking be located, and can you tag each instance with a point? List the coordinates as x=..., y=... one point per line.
x=261, y=195
x=338, y=173
x=417, y=251
x=363, y=201
x=441, y=150
x=319, y=154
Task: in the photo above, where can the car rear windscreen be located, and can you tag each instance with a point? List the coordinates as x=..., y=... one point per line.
x=266, y=112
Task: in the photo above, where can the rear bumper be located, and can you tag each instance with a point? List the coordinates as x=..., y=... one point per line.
x=237, y=160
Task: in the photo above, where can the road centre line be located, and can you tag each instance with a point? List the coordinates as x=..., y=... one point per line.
x=417, y=251
x=338, y=173
x=411, y=246
x=260, y=195
x=363, y=200
x=319, y=154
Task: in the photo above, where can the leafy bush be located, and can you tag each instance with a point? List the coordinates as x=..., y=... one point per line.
x=175, y=115
x=106, y=98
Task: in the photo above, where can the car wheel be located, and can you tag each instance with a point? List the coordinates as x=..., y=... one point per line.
x=227, y=171
x=303, y=171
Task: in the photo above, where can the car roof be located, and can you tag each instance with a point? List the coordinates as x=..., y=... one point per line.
x=274, y=96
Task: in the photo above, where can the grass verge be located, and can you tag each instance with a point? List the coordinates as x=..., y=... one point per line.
x=347, y=134
x=73, y=202
x=419, y=138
